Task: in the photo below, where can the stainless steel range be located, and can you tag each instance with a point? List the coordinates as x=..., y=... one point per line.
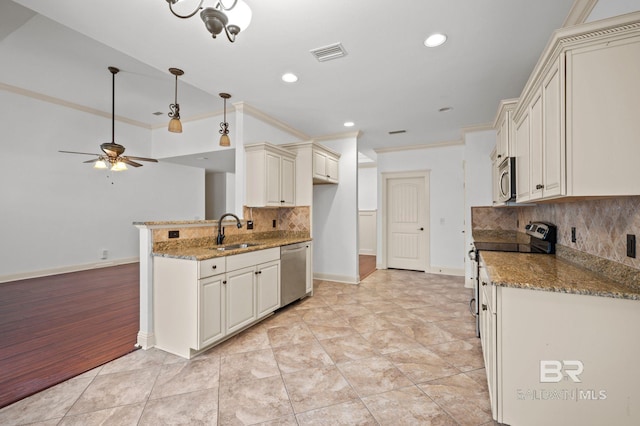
x=542, y=238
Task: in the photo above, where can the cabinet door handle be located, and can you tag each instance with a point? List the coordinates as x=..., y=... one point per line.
x=224, y=282
x=282, y=201
x=214, y=266
x=420, y=229
x=484, y=307
x=484, y=283
x=258, y=272
x=539, y=186
x=500, y=156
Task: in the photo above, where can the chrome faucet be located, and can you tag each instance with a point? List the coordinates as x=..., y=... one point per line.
x=220, y=237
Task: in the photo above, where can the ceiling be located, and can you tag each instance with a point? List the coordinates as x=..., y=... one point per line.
x=387, y=81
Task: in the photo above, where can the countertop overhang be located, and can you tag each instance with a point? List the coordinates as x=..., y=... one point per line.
x=551, y=273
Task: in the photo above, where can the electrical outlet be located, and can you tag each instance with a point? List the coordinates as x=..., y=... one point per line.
x=631, y=245
x=174, y=234
x=104, y=254
x=573, y=234
x=274, y=223
x=249, y=224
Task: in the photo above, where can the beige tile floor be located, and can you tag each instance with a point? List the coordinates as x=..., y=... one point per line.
x=398, y=349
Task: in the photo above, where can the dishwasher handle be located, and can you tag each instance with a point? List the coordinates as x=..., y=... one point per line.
x=292, y=249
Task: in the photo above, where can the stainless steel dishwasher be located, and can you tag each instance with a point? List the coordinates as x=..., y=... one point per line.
x=293, y=275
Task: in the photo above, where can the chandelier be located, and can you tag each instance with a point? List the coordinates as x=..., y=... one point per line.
x=231, y=19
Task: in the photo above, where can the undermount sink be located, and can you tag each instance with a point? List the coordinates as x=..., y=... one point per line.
x=236, y=246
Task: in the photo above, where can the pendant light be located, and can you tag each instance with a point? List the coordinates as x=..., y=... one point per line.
x=175, y=125
x=224, y=126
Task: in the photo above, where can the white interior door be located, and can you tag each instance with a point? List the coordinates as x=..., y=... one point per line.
x=407, y=223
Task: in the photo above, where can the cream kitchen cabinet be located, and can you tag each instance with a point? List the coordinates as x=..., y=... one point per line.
x=270, y=176
x=577, y=114
x=325, y=165
x=199, y=303
x=554, y=358
x=504, y=130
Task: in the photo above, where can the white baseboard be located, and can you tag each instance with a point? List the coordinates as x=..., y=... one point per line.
x=367, y=252
x=67, y=269
x=459, y=272
x=336, y=278
x=146, y=340
x=437, y=270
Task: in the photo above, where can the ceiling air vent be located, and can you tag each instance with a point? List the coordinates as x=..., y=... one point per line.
x=397, y=132
x=327, y=53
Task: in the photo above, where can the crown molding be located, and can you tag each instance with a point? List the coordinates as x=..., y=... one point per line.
x=579, y=12
x=71, y=105
x=416, y=147
x=335, y=136
x=476, y=128
x=256, y=113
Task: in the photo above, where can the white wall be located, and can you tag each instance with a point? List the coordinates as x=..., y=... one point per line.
x=56, y=211
x=335, y=218
x=367, y=188
x=478, y=182
x=446, y=200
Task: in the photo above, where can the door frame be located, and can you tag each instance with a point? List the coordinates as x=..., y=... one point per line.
x=386, y=176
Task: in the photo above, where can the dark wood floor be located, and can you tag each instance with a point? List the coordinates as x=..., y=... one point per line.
x=53, y=328
x=367, y=265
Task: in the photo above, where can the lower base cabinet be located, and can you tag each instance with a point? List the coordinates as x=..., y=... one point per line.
x=193, y=309
x=561, y=359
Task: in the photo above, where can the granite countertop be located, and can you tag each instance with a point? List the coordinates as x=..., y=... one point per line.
x=208, y=251
x=551, y=273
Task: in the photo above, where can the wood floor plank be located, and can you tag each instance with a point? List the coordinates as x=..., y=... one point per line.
x=54, y=328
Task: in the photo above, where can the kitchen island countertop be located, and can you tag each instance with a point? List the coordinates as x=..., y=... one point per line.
x=208, y=251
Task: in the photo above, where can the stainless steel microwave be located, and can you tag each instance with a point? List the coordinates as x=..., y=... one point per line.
x=507, y=180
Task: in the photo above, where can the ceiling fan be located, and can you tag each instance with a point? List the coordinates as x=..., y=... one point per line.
x=112, y=151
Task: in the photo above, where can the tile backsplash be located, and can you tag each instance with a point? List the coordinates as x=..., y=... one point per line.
x=295, y=219
x=601, y=225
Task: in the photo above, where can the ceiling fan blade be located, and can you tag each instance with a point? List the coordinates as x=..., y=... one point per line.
x=143, y=159
x=129, y=162
x=95, y=160
x=75, y=152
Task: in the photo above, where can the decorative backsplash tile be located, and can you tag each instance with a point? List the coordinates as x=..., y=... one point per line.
x=601, y=225
x=294, y=219
x=490, y=218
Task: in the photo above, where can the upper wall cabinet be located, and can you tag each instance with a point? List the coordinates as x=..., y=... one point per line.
x=325, y=165
x=271, y=173
x=576, y=124
x=504, y=130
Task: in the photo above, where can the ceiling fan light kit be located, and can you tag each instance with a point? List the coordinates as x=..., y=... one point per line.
x=175, y=125
x=112, y=150
x=218, y=18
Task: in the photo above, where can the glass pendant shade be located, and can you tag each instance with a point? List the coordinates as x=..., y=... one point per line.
x=100, y=164
x=240, y=15
x=175, y=125
x=119, y=166
x=225, y=141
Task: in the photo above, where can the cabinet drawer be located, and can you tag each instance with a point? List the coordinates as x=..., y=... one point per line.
x=252, y=258
x=209, y=267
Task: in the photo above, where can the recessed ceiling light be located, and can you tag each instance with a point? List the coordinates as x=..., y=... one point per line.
x=445, y=109
x=289, y=77
x=202, y=158
x=349, y=124
x=397, y=132
x=158, y=113
x=435, y=40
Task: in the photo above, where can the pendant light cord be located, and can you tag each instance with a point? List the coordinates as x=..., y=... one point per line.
x=113, y=107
